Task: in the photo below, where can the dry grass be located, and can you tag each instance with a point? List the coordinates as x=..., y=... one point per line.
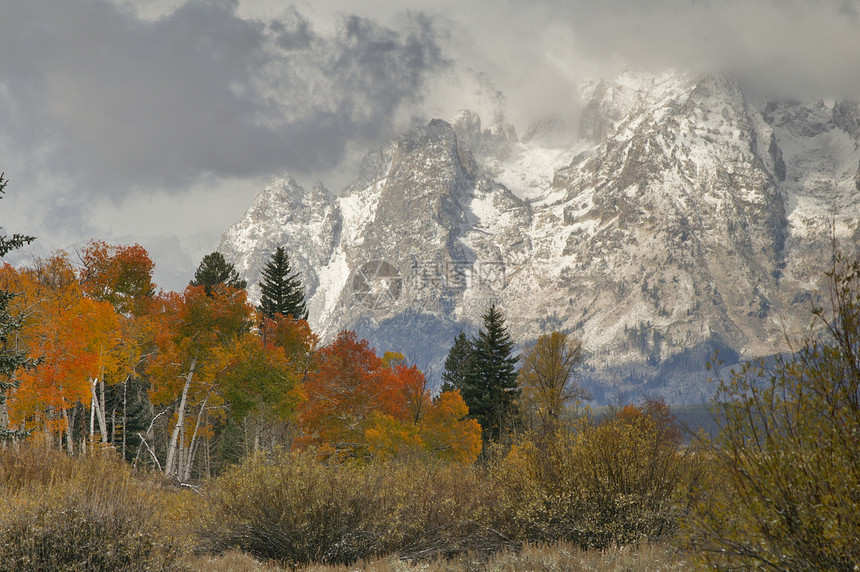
x=230, y=561
x=536, y=507
x=560, y=557
x=61, y=513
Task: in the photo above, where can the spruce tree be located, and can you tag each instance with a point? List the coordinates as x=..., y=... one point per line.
x=490, y=388
x=281, y=288
x=457, y=364
x=213, y=270
x=11, y=356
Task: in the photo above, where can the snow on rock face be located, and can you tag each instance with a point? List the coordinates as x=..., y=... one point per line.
x=284, y=214
x=680, y=219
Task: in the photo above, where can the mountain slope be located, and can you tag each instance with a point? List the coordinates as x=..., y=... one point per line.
x=681, y=219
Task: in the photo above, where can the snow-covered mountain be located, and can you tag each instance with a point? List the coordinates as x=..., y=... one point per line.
x=679, y=219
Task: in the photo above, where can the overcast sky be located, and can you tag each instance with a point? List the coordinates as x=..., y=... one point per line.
x=131, y=120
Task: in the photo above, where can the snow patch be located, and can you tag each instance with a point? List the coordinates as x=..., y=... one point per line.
x=332, y=279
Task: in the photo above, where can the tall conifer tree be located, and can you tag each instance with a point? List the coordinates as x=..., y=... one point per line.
x=281, y=288
x=490, y=387
x=457, y=364
x=11, y=356
x=213, y=270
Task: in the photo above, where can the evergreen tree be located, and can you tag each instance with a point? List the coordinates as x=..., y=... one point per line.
x=281, y=289
x=457, y=364
x=213, y=270
x=490, y=387
x=11, y=356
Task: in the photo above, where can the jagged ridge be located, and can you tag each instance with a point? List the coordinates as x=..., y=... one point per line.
x=680, y=219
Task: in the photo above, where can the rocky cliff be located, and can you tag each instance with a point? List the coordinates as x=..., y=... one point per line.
x=678, y=219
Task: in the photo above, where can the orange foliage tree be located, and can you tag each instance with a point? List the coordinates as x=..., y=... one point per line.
x=348, y=383
x=196, y=336
x=356, y=403
x=293, y=336
x=121, y=275
x=74, y=336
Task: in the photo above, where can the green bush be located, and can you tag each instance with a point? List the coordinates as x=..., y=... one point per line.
x=67, y=514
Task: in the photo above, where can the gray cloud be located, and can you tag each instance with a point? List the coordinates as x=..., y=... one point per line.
x=118, y=104
x=346, y=87
x=778, y=48
x=525, y=59
x=105, y=101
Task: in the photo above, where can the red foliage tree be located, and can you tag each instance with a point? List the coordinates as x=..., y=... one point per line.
x=348, y=383
x=121, y=275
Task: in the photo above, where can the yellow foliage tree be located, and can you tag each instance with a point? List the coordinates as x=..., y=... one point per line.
x=546, y=380
x=441, y=432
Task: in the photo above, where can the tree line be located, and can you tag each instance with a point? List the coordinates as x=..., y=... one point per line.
x=96, y=356
x=190, y=381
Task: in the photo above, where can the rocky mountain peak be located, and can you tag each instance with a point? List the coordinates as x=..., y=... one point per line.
x=495, y=141
x=681, y=220
x=424, y=190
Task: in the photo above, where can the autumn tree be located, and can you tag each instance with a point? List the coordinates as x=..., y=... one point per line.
x=414, y=387
x=490, y=386
x=73, y=335
x=546, y=379
x=197, y=335
x=357, y=404
x=213, y=270
x=446, y=430
x=458, y=363
x=120, y=275
x=784, y=491
x=348, y=383
x=12, y=356
x=263, y=383
x=441, y=431
x=281, y=288
x=393, y=359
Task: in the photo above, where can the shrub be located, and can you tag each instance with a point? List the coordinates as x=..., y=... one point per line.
x=67, y=514
x=610, y=483
x=295, y=508
x=784, y=491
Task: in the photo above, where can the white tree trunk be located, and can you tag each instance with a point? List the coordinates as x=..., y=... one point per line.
x=70, y=445
x=170, y=464
x=192, y=448
x=102, y=411
x=92, y=412
x=96, y=412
